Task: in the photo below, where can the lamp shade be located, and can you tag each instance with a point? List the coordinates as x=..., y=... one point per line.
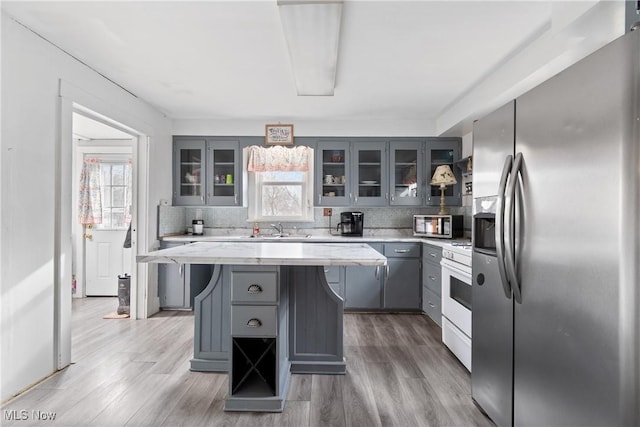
x=443, y=176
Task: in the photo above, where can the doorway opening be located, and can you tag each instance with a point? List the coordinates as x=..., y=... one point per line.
x=103, y=198
x=103, y=206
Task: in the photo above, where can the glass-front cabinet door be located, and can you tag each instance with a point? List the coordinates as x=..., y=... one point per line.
x=369, y=171
x=223, y=173
x=406, y=177
x=188, y=171
x=443, y=152
x=332, y=176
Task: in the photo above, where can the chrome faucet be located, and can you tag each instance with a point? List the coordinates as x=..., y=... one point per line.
x=279, y=228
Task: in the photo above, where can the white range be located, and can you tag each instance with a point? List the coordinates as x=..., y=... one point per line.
x=456, y=300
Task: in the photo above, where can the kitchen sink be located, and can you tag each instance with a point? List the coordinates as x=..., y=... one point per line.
x=283, y=237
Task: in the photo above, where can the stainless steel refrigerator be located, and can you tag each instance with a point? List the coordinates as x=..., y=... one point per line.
x=556, y=264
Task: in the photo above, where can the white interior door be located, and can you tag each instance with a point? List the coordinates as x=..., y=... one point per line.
x=105, y=256
x=105, y=260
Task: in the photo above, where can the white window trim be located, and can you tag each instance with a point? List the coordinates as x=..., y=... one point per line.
x=254, y=182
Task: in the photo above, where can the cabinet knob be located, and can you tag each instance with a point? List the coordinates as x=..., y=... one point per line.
x=254, y=289
x=254, y=323
x=432, y=255
x=431, y=305
x=432, y=278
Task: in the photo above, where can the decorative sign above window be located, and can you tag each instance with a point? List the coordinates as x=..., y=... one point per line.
x=278, y=134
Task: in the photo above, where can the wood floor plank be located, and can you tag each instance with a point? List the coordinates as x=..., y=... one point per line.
x=163, y=401
x=125, y=406
x=327, y=408
x=190, y=408
x=358, y=397
x=390, y=396
x=296, y=413
x=300, y=387
x=136, y=373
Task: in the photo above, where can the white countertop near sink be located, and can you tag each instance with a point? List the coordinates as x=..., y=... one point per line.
x=267, y=253
x=370, y=237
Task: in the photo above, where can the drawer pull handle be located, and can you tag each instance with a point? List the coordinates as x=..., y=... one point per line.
x=432, y=254
x=254, y=289
x=401, y=251
x=254, y=323
x=431, y=305
x=432, y=278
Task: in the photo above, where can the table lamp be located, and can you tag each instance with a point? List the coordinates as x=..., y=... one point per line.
x=443, y=177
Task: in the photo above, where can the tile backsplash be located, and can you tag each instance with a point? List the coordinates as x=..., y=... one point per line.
x=175, y=219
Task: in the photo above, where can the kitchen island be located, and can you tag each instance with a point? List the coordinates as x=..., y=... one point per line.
x=267, y=312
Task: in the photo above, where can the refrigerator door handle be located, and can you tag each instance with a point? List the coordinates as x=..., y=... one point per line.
x=508, y=235
x=499, y=229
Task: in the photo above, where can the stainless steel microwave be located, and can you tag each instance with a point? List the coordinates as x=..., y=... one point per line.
x=438, y=226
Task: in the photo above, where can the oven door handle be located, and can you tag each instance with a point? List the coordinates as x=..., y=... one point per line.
x=509, y=214
x=500, y=229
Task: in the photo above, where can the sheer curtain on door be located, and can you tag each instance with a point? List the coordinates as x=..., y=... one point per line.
x=90, y=197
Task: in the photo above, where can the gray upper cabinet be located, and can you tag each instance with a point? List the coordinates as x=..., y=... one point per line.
x=207, y=171
x=224, y=173
x=188, y=171
x=406, y=173
x=332, y=173
x=370, y=173
x=349, y=172
x=443, y=151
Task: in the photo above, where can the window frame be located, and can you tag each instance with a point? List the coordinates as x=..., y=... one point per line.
x=256, y=183
x=127, y=189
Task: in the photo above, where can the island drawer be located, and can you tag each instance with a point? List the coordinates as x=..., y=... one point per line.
x=254, y=287
x=254, y=320
x=402, y=250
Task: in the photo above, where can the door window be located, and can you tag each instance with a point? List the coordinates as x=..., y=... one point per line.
x=116, y=195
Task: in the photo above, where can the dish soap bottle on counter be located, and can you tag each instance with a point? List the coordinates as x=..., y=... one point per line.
x=256, y=229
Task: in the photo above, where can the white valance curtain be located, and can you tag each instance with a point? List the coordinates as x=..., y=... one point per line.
x=90, y=197
x=278, y=158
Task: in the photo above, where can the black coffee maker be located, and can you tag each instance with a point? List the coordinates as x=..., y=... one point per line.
x=351, y=223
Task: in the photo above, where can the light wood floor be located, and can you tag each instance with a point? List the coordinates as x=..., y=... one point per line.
x=136, y=373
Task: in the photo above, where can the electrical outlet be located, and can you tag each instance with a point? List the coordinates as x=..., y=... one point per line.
x=327, y=212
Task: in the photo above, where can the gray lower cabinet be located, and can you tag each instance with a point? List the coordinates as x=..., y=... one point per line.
x=335, y=278
x=397, y=289
x=363, y=290
x=259, y=347
x=178, y=285
x=402, y=283
x=432, y=282
x=261, y=323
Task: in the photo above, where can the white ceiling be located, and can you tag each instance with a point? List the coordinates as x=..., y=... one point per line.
x=227, y=60
x=85, y=128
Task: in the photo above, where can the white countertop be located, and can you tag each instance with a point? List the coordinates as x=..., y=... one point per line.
x=267, y=253
x=320, y=238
